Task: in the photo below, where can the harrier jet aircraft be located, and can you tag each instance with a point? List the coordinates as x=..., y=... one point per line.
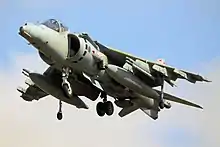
x=77, y=64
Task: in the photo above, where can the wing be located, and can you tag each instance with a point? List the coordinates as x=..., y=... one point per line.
x=118, y=58
x=173, y=73
x=115, y=56
x=32, y=92
x=127, y=110
x=81, y=86
x=178, y=100
x=152, y=112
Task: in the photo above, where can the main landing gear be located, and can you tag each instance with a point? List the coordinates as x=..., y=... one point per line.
x=105, y=107
x=59, y=113
x=65, y=84
x=162, y=102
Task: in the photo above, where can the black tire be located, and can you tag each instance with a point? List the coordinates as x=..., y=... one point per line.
x=109, y=108
x=66, y=91
x=167, y=105
x=59, y=115
x=100, y=109
x=161, y=105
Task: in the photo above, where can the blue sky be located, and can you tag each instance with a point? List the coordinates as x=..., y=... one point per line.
x=150, y=29
x=185, y=33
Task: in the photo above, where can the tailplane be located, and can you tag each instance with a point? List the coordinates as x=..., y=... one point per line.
x=150, y=112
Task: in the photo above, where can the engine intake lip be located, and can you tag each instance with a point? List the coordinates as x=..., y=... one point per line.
x=73, y=44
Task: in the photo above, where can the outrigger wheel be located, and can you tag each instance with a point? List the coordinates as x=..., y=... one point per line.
x=59, y=113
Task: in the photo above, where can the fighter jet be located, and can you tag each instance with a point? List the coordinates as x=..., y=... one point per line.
x=77, y=63
x=140, y=77
x=68, y=56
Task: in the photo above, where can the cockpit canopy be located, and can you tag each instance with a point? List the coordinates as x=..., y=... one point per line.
x=55, y=25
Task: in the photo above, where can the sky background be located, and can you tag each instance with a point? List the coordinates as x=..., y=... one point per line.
x=185, y=33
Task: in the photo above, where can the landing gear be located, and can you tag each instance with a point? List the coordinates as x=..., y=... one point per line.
x=162, y=102
x=105, y=107
x=109, y=108
x=103, y=96
x=167, y=105
x=65, y=84
x=59, y=113
x=100, y=109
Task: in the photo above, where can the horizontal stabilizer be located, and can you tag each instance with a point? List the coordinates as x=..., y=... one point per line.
x=152, y=113
x=179, y=100
x=127, y=110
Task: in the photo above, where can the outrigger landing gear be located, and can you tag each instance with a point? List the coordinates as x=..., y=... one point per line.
x=59, y=113
x=105, y=107
x=162, y=102
x=65, y=84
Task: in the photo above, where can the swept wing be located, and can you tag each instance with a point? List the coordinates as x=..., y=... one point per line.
x=179, y=100
x=118, y=58
x=154, y=113
x=81, y=86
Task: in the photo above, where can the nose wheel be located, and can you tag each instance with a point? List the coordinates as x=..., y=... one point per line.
x=59, y=113
x=67, y=89
x=105, y=107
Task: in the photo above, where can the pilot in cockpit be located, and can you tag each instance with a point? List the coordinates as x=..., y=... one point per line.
x=55, y=25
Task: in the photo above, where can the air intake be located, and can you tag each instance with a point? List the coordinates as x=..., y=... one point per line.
x=73, y=44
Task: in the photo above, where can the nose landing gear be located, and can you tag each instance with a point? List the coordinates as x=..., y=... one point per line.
x=65, y=84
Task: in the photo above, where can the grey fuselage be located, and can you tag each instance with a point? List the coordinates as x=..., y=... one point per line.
x=61, y=48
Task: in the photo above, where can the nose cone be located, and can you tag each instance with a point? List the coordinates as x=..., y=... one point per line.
x=30, y=31
x=25, y=31
x=21, y=29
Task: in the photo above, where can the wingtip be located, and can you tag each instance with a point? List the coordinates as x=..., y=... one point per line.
x=200, y=107
x=206, y=80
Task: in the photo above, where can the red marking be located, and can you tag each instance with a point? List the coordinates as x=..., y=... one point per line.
x=161, y=61
x=93, y=51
